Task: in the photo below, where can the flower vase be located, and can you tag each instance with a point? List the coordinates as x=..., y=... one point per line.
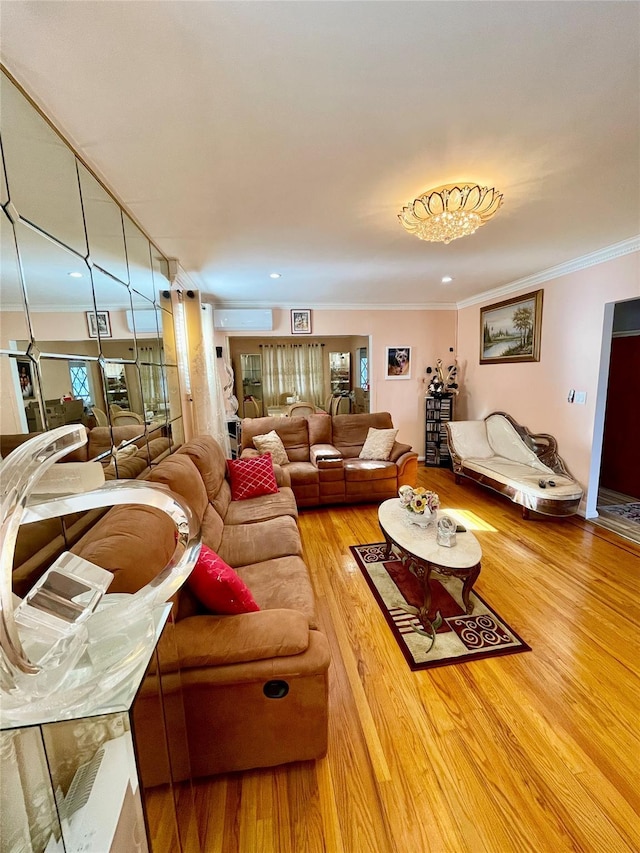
x=421, y=519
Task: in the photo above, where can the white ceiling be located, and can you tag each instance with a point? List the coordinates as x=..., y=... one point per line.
x=251, y=137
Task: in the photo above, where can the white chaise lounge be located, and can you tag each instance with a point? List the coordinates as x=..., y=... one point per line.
x=504, y=456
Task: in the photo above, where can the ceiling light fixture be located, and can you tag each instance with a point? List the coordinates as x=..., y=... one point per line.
x=75, y=274
x=275, y=275
x=447, y=279
x=451, y=211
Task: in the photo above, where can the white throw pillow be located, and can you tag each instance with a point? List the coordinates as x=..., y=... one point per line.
x=378, y=444
x=271, y=443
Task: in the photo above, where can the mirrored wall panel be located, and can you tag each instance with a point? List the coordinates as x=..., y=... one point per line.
x=86, y=325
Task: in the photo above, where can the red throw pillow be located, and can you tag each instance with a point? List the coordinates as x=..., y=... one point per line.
x=251, y=478
x=218, y=587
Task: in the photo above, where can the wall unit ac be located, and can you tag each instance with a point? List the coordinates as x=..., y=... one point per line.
x=242, y=319
x=145, y=321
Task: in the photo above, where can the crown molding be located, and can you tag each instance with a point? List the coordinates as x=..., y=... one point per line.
x=617, y=250
x=422, y=306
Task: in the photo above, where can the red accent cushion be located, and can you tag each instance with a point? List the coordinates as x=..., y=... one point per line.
x=251, y=478
x=218, y=587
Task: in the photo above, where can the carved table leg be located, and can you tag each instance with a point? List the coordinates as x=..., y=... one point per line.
x=387, y=553
x=467, y=586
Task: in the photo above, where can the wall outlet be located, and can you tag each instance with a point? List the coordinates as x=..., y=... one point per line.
x=581, y=397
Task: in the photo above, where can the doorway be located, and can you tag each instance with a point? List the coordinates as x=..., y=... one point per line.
x=616, y=451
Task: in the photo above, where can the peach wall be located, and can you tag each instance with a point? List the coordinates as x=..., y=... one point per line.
x=535, y=393
x=428, y=333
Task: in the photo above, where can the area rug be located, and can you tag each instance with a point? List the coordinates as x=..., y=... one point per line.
x=630, y=512
x=459, y=637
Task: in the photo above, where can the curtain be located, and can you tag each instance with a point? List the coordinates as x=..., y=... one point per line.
x=151, y=378
x=295, y=370
x=206, y=390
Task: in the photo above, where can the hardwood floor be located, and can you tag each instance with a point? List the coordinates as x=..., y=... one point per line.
x=625, y=527
x=537, y=751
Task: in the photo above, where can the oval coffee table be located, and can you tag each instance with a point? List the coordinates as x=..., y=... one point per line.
x=420, y=551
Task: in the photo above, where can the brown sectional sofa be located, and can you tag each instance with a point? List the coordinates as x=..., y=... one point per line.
x=225, y=668
x=323, y=457
x=41, y=542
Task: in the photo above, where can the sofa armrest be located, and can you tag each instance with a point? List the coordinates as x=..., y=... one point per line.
x=249, y=453
x=324, y=454
x=407, y=469
x=215, y=640
x=398, y=450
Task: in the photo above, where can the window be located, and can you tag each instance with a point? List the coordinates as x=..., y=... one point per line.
x=80, y=381
x=363, y=368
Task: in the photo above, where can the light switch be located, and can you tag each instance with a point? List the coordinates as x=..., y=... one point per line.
x=571, y=396
x=581, y=397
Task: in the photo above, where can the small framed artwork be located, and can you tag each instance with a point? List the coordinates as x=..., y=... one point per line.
x=26, y=379
x=98, y=321
x=510, y=330
x=300, y=321
x=398, y=363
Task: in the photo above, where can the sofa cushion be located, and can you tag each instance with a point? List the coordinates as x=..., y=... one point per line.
x=251, y=478
x=378, y=444
x=262, y=508
x=350, y=431
x=134, y=542
x=243, y=544
x=524, y=479
x=470, y=439
x=282, y=583
x=272, y=443
x=303, y=474
x=293, y=432
x=212, y=528
x=211, y=641
x=218, y=587
x=206, y=454
x=398, y=450
x=505, y=441
x=181, y=476
x=102, y=439
x=320, y=429
x=369, y=469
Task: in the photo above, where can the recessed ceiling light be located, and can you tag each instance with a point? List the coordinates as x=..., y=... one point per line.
x=446, y=279
x=275, y=275
x=75, y=274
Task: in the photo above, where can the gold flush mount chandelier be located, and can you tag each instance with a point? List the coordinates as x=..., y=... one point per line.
x=451, y=211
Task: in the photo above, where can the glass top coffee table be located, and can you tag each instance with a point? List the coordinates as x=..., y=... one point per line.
x=419, y=550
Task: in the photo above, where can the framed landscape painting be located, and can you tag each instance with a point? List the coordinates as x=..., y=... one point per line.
x=510, y=330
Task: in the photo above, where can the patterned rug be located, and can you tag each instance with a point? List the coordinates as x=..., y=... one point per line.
x=630, y=512
x=458, y=637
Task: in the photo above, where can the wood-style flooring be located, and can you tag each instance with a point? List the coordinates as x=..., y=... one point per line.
x=538, y=751
x=625, y=527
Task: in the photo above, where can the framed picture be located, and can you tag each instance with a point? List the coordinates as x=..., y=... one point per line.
x=300, y=321
x=98, y=321
x=398, y=363
x=510, y=330
x=26, y=378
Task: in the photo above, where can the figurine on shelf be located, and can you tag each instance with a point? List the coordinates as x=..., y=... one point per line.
x=441, y=381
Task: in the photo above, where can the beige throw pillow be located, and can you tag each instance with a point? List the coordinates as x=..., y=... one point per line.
x=271, y=443
x=378, y=444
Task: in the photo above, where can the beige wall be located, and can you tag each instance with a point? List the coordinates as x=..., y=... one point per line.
x=428, y=333
x=535, y=393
